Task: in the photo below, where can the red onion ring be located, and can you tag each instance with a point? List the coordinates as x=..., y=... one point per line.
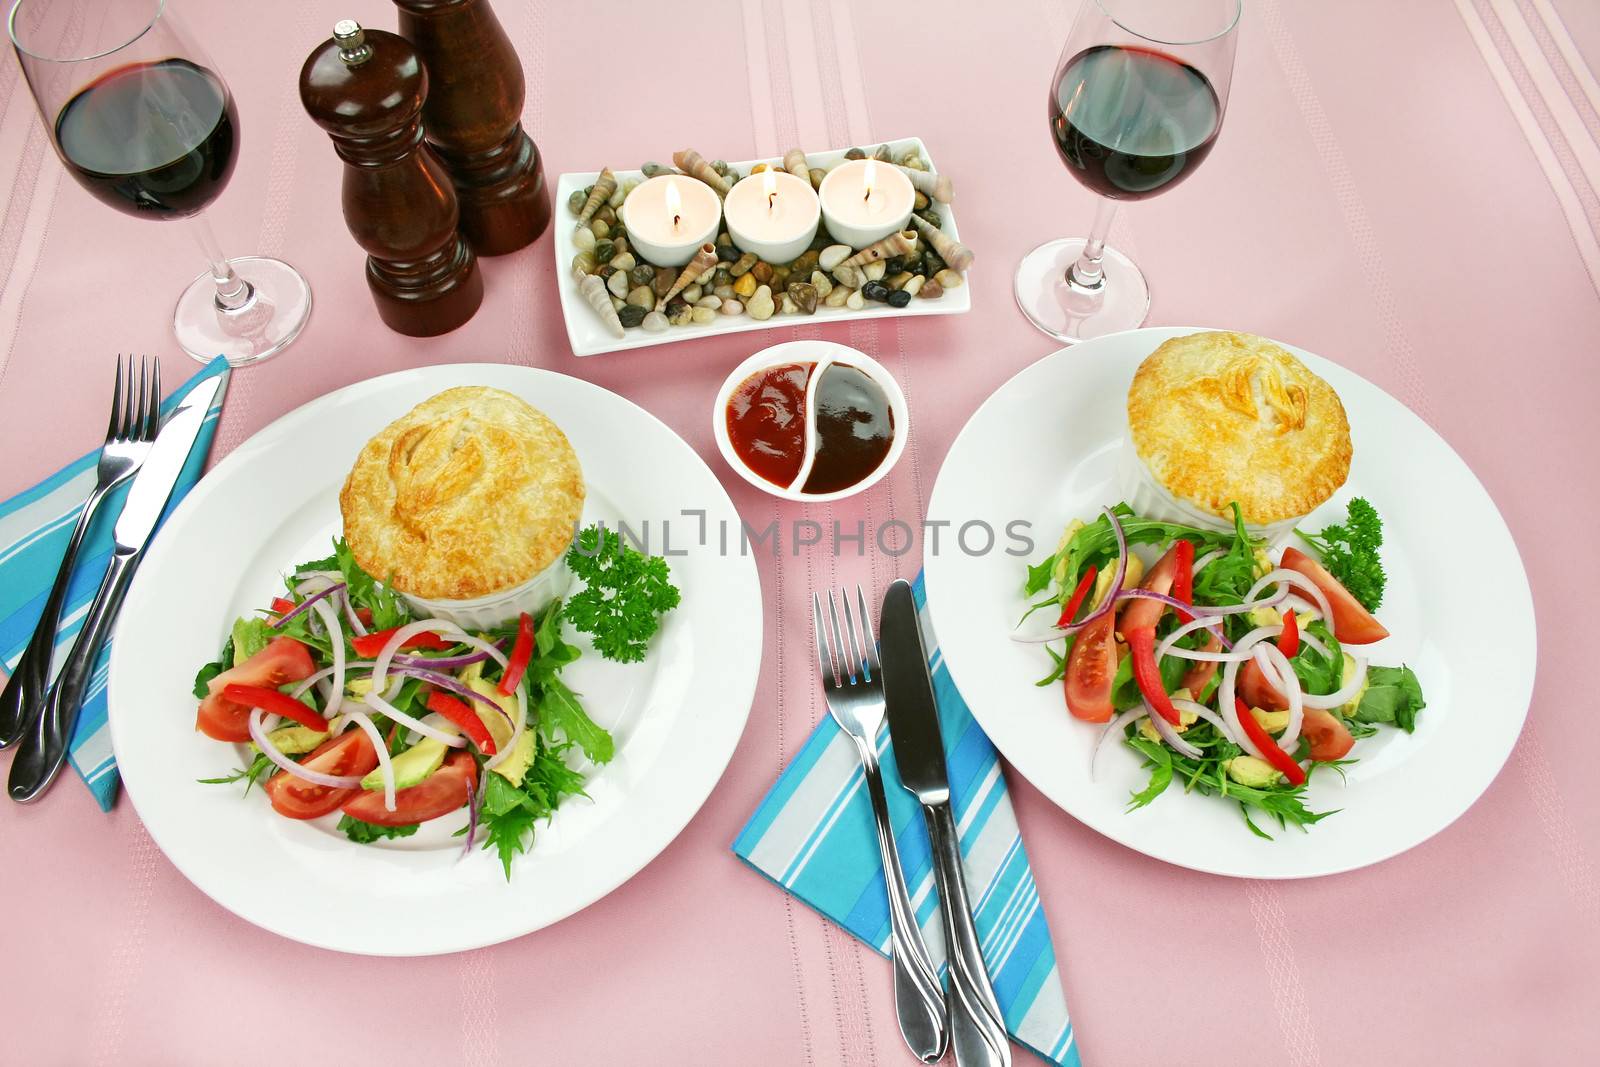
x=1280, y=674
x=460, y=689
x=1168, y=645
x=1207, y=560
x=1111, y=729
x=1284, y=575
x=1202, y=609
x=378, y=703
x=474, y=800
x=1055, y=633
x=448, y=663
x=385, y=764
x=1168, y=734
x=1197, y=708
x=1228, y=709
x=333, y=695
x=357, y=627
x=380, y=666
x=258, y=734
x=304, y=606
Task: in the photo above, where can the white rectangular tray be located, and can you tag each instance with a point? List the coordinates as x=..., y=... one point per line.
x=589, y=338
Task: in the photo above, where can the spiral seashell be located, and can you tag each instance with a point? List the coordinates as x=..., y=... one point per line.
x=694, y=165
x=595, y=292
x=896, y=244
x=953, y=252
x=704, y=260
x=933, y=186
x=794, y=161
x=604, y=186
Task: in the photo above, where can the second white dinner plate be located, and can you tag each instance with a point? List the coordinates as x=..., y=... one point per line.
x=272, y=504
x=1043, y=450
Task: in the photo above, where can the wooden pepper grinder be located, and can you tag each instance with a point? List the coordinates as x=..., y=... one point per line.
x=473, y=119
x=366, y=89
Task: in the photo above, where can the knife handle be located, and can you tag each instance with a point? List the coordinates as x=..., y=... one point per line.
x=44, y=749
x=918, y=997
x=977, y=1029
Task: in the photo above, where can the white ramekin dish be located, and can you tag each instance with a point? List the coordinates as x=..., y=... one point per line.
x=497, y=609
x=822, y=353
x=1152, y=500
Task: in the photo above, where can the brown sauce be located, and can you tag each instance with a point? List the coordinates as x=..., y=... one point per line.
x=855, y=428
x=767, y=421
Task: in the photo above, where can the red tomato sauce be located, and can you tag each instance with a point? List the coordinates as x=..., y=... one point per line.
x=767, y=421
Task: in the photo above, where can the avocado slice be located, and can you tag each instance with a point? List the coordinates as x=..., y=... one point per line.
x=412, y=766
x=514, y=766
x=293, y=740
x=499, y=726
x=1348, y=672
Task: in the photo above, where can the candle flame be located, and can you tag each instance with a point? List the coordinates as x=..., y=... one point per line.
x=868, y=176
x=769, y=186
x=674, y=202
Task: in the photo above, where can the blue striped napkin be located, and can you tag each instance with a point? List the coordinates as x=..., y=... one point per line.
x=813, y=835
x=34, y=527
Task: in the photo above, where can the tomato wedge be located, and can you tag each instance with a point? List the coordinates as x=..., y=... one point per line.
x=521, y=654
x=1091, y=667
x=466, y=718
x=284, y=660
x=1329, y=736
x=1199, y=675
x=1352, y=623
x=1269, y=748
x=274, y=702
x=369, y=645
x=443, y=791
x=350, y=753
x=1253, y=686
x=1139, y=620
x=1075, y=602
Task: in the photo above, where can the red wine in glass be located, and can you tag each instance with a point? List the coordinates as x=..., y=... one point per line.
x=151, y=138
x=1131, y=122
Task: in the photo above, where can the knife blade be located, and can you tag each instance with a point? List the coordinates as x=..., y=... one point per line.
x=44, y=750
x=977, y=1028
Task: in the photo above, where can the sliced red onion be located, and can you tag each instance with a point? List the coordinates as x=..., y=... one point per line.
x=1169, y=644
x=380, y=666
x=258, y=734
x=353, y=665
x=1207, y=560
x=385, y=764
x=1197, y=708
x=1113, y=728
x=1202, y=609
x=474, y=799
x=334, y=693
x=1228, y=708
x=378, y=703
x=1056, y=633
x=332, y=576
x=1343, y=695
x=1285, y=575
x=304, y=605
x=460, y=689
x=357, y=627
x=1280, y=675
x=447, y=663
x=517, y=727
x=1168, y=734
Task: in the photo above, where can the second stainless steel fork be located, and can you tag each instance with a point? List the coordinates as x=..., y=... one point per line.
x=853, y=683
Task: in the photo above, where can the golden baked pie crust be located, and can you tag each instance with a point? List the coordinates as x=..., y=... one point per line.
x=469, y=493
x=1218, y=417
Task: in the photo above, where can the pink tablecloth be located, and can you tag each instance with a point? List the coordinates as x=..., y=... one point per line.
x=1410, y=189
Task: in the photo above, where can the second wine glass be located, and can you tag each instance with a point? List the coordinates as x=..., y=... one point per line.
x=1136, y=103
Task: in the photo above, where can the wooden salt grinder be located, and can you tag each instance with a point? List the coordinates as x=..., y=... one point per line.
x=366, y=89
x=473, y=119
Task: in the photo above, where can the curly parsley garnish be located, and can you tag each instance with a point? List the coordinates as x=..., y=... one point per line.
x=624, y=596
x=1350, y=552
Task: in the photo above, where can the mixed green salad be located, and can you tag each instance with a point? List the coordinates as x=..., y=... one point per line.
x=1228, y=668
x=351, y=704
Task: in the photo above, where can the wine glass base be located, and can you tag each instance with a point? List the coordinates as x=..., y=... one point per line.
x=1070, y=313
x=278, y=310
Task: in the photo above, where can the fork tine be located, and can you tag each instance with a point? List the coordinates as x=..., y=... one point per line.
x=115, y=427
x=870, y=638
x=824, y=650
x=847, y=673
x=857, y=660
x=152, y=416
x=131, y=401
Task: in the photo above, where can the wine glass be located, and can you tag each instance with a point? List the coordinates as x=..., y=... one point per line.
x=144, y=122
x=1135, y=104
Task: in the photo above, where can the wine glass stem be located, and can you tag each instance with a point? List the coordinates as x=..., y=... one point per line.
x=233, y=292
x=1086, y=274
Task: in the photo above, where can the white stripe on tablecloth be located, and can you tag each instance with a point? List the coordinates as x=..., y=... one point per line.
x=1568, y=49
x=1547, y=83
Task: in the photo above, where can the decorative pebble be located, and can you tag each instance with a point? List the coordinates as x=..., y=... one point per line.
x=804, y=295
x=631, y=315
x=724, y=292
x=624, y=261
x=617, y=304
x=654, y=322
x=727, y=253
x=583, y=263
x=910, y=159
x=618, y=283
x=618, y=195
x=882, y=154
x=703, y=316
x=820, y=282
x=875, y=291
x=575, y=201
x=691, y=293
x=788, y=306
x=874, y=271
x=643, y=296
x=761, y=305
x=837, y=298
x=850, y=277
x=817, y=174
x=949, y=278
x=621, y=242
x=705, y=277
x=721, y=276
x=919, y=202
x=653, y=170
x=762, y=271
x=757, y=169
x=898, y=281
x=642, y=274
x=914, y=286
x=722, y=168
x=931, y=217
x=605, y=271
x=780, y=278
x=730, y=308
x=583, y=239
x=666, y=278
x=854, y=153
x=712, y=302
x=679, y=313
x=745, y=286
x=607, y=215
x=855, y=301
x=743, y=266
x=724, y=240
x=603, y=251
x=899, y=298
x=805, y=264
x=931, y=291
x=931, y=263
x=601, y=227
x=821, y=240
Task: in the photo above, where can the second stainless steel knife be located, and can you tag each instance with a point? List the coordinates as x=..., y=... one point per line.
x=977, y=1029
x=44, y=749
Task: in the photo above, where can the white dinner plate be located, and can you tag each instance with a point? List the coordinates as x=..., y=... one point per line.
x=589, y=338
x=273, y=503
x=1043, y=449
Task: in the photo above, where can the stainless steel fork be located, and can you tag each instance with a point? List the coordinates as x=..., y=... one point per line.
x=852, y=679
x=135, y=418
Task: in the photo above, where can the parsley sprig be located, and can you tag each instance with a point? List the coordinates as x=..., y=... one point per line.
x=624, y=596
x=1350, y=552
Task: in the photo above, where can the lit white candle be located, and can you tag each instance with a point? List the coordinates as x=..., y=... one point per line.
x=772, y=214
x=863, y=202
x=669, y=218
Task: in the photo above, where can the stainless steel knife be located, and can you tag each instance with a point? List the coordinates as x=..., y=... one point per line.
x=43, y=750
x=977, y=1029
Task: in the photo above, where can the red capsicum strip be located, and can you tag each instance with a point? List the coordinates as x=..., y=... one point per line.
x=280, y=606
x=274, y=702
x=521, y=654
x=369, y=645
x=1085, y=584
x=1142, y=645
x=1183, y=577
x=1269, y=748
x=456, y=711
x=1289, y=640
